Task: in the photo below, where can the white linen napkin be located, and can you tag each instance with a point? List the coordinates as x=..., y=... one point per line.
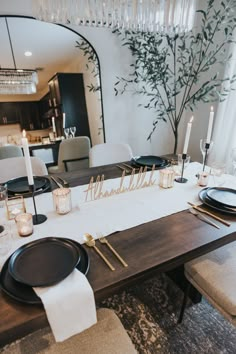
x=69, y=305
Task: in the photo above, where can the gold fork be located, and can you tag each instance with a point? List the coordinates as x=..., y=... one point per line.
x=104, y=240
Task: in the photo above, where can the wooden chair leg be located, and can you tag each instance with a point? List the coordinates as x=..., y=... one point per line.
x=186, y=293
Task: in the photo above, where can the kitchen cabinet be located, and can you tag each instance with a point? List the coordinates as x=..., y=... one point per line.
x=24, y=113
x=67, y=95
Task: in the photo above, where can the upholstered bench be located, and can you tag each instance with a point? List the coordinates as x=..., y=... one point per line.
x=107, y=336
x=214, y=276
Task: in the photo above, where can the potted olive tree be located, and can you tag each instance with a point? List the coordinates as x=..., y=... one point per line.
x=176, y=71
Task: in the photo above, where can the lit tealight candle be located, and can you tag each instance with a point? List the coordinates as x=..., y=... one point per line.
x=24, y=224
x=28, y=165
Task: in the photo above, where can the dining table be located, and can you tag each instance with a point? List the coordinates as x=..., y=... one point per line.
x=160, y=245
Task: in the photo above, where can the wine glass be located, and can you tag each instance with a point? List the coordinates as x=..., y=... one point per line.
x=73, y=131
x=67, y=132
x=203, y=149
x=233, y=159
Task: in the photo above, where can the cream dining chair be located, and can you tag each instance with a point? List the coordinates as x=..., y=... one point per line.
x=10, y=151
x=213, y=275
x=73, y=155
x=107, y=153
x=14, y=167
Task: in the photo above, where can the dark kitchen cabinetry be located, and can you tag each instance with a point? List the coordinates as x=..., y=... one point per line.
x=24, y=113
x=67, y=96
x=45, y=111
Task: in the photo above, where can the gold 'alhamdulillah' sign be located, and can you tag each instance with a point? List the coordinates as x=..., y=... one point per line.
x=95, y=189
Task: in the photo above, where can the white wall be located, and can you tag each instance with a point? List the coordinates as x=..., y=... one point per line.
x=124, y=121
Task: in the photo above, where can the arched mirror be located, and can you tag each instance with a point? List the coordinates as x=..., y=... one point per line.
x=68, y=90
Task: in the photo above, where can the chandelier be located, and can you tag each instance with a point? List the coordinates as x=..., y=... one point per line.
x=17, y=81
x=138, y=15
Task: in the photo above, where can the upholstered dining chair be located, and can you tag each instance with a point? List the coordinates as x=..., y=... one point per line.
x=14, y=167
x=213, y=275
x=73, y=155
x=107, y=336
x=10, y=151
x=104, y=154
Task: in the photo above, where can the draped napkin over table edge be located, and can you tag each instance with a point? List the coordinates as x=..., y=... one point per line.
x=69, y=305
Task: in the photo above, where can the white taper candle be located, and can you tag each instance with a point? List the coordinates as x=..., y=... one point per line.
x=53, y=125
x=210, y=125
x=187, y=136
x=28, y=165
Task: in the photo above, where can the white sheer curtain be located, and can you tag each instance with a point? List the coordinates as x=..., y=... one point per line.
x=224, y=134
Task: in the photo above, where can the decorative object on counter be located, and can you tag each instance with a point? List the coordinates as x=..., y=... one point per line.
x=203, y=178
x=15, y=206
x=63, y=120
x=15, y=81
x=62, y=200
x=166, y=178
x=72, y=131
x=24, y=224
x=3, y=195
x=37, y=218
x=67, y=133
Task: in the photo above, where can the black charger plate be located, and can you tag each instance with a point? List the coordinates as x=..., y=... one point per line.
x=214, y=205
x=149, y=161
x=20, y=186
x=25, y=293
x=223, y=196
x=43, y=262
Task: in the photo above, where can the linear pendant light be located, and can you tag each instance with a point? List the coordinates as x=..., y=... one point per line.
x=17, y=81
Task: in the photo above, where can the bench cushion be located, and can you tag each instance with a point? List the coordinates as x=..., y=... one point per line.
x=106, y=336
x=215, y=274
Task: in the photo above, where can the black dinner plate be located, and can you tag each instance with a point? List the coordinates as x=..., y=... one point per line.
x=214, y=205
x=20, y=185
x=25, y=293
x=149, y=161
x=43, y=262
x=224, y=196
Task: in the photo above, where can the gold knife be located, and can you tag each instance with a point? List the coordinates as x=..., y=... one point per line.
x=210, y=214
x=57, y=183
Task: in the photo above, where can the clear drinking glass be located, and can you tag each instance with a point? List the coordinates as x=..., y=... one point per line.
x=203, y=148
x=5, y=237
x=73, y=131
x=217, y=172
x=67, y=133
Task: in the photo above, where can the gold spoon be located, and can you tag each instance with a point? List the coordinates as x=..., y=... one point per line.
x=104, y=240
x=90, y=242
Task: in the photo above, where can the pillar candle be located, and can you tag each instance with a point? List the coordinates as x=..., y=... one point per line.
x=187, y=136
x=53, y=125
x=210, y=125
x=63, y=120
x=28, y=165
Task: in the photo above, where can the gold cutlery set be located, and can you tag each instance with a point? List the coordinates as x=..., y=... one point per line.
x=60, y=182
x=198, y=210
x=90, y=242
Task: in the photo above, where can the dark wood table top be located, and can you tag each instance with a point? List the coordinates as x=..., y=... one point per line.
x=156, y=246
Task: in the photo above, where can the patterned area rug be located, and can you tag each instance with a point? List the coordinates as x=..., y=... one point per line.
x=149, y=313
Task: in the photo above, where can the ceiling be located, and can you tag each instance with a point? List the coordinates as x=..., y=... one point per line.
x=52, y=47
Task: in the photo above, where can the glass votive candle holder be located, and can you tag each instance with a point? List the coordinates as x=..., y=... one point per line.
x=166, y=178
x=24, y=224
x=203, y=178
x=15, y=206
x=62, y=200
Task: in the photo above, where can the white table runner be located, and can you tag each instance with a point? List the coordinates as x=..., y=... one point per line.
x=115, y=213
